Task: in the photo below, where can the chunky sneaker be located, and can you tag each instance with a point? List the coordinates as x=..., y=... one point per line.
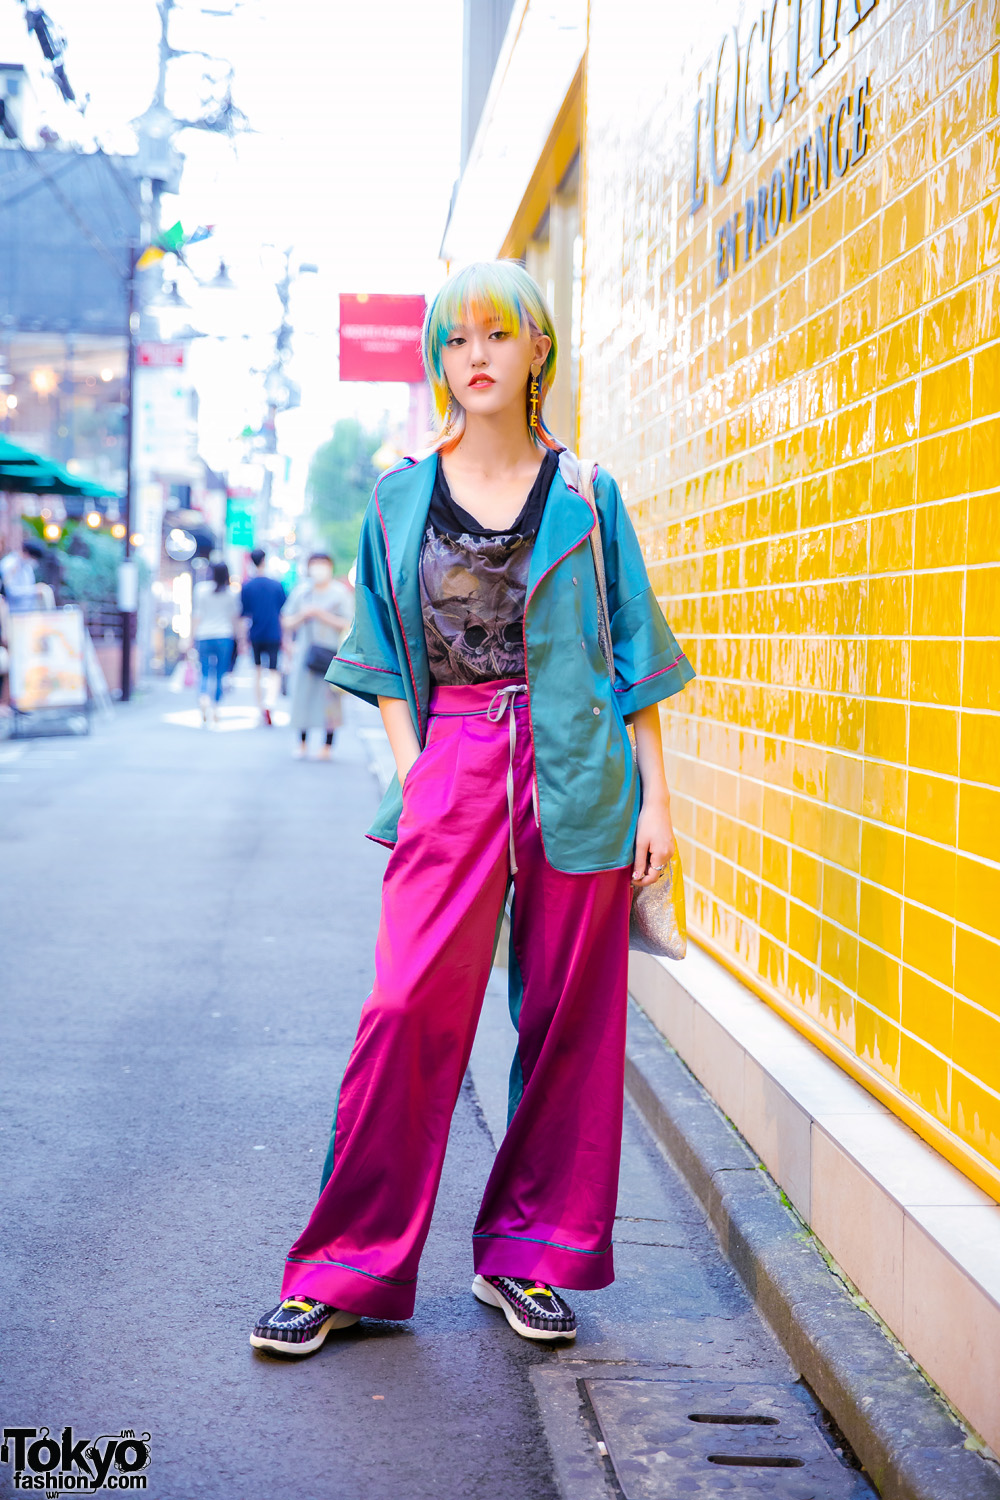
x=531, y=1308
x=298, y=1325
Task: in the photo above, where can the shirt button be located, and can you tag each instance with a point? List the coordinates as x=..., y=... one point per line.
x=583, y=645
x=574, y=580
x=597, y=710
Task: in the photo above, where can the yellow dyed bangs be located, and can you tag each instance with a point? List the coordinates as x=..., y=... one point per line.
x=490, y=291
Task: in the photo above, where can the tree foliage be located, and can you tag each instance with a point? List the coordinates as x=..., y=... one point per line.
x=90, y=571
x=340, y=481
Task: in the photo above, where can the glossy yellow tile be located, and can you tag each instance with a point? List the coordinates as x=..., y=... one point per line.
x=937, y=603
x=982, y=608
x=932, y=807
x=981, y=677
x=924, y=1076
x=979, y=820
x=940, y=536
x=978, y=895
x=877, y=1041
x=927, y=1011
x=977, y=1035
x=811, y=453
x=928, y=945
x=881, y=855
x=930, y=875
x=975, y=1115
x=935, y=671
x=977, y=965
x=944, y=466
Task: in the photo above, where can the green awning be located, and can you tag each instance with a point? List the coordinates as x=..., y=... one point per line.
x=13, y=457
x=31, y=474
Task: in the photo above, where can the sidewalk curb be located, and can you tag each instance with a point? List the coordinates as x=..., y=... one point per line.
x=903, y=1434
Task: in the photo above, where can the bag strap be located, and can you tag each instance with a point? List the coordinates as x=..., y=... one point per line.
x=586, y=480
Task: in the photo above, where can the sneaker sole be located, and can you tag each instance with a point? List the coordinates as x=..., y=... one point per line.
x=279, y=1346
x=482, y=1290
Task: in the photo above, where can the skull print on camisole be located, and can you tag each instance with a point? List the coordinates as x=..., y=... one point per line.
x=473, y=583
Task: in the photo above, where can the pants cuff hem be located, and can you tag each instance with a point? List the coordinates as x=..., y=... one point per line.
x=577, y=1270
x=350, y=1290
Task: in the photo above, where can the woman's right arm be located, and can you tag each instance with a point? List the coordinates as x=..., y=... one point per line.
x=402, y=736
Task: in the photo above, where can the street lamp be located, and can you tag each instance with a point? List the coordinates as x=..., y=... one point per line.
x=221, y=281
x=281, y=393
x=169, y=297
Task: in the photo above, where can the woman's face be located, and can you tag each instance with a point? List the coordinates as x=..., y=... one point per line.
x=487, y=367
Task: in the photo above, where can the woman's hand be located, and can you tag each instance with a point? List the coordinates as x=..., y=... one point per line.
x=402, y=736
x=654, y=841
x=654, y=837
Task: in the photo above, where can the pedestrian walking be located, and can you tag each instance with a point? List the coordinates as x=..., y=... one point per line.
x=478, y=633
x=215, y=610
x=261, y=601
x=20, y=572
x=319, y=613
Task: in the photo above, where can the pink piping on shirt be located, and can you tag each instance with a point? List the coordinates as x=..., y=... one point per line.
x=365, y=666
x=524, y=640
x=678, y=658
x=395, y=601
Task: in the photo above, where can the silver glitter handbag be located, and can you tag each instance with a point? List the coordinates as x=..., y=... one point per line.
x=657, y=922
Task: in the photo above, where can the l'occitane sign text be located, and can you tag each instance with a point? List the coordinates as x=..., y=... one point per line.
x=840, y=141
x=828, y=21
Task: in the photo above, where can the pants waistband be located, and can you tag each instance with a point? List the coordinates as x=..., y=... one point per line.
x=472, y=698
x=491, y=700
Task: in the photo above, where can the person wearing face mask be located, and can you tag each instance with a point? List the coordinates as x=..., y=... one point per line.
x=319, y=614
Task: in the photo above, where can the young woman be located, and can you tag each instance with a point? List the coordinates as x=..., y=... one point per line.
x=476, y=633
x=215, y=610
x=318, y=613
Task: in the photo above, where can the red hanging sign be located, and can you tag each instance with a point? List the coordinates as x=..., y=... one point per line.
x=161, y=356
x=380, y=337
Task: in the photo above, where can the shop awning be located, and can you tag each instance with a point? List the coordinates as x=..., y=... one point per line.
x=31, y=474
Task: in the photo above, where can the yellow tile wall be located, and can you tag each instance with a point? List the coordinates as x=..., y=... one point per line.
x=811, y=454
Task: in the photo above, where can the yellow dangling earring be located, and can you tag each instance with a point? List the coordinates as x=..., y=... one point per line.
x=533, y=402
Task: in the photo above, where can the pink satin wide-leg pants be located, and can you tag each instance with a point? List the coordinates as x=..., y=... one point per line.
x=549, y=1204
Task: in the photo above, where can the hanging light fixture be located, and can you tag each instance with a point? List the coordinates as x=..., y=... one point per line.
x=221, y=281
x=169, y=296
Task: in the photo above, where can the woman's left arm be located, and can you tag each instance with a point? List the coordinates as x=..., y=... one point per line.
x=649, y=663
x=654, y=837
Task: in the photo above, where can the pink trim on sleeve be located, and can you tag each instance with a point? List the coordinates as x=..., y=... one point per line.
x=365, y=667
x=677, y=659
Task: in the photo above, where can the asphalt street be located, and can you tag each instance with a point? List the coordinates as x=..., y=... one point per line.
x=187, y=921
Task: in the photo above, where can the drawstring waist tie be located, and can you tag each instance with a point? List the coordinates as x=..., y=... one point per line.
x=468, y=702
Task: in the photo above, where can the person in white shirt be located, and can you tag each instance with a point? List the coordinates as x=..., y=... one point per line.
x=215, y=609
x=18, y=576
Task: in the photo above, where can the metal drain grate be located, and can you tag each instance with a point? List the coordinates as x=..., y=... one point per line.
x=681, y=1439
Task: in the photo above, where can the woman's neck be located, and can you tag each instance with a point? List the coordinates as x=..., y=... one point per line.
x=495, y=444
